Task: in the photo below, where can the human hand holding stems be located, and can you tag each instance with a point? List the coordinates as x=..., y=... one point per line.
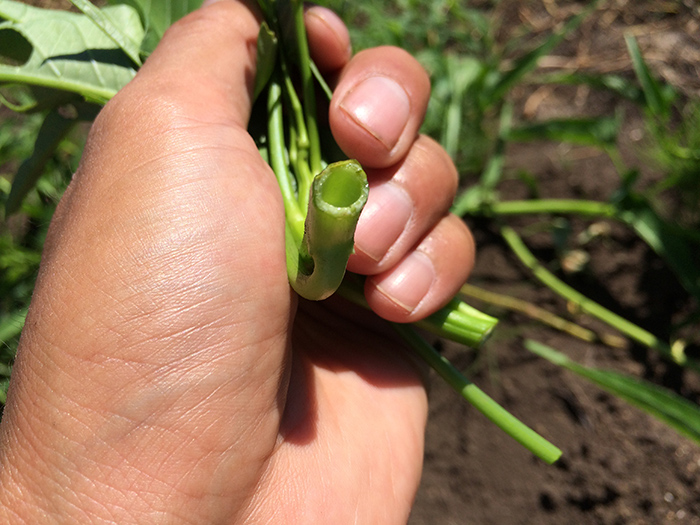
x=166, y=372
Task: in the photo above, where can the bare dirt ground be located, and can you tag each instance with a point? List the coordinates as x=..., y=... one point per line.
x=620, y=466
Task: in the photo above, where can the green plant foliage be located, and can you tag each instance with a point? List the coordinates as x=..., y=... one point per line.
x=157, y=16
x=677, y=246
x=84, y=61
x=55, y=127
x=601, y=132
x=658, y=98
x=661, y=403
x=102, y=19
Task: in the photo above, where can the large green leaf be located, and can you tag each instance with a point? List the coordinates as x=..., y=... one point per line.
x=157, y=16
x=672, y=409
x=102, y=20
x=66, y=51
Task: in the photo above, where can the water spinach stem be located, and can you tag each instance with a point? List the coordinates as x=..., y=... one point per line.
x=524, y=435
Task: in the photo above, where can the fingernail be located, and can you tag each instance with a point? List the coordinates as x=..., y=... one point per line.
x=380, y=106
x=209, y=2
x=383, y=220
x=409, y=282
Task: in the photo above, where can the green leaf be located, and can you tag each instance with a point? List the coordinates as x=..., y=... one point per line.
x=677, y=247
x=501, y=83
x=617, y=84
x=102, y=20
x=601, y=132
x=672, y=409
x=658, y=99
x=267, y=57
x=83, y=60
x=11, y=325
x=157, y=16
x=55, y=127
x=462, y=72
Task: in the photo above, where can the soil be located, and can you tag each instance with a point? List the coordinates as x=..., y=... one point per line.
x=620, y=465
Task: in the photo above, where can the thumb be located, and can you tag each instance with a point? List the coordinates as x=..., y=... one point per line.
x=211, y=52
x=155, y=346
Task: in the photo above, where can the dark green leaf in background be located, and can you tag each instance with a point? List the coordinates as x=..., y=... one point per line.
x=672, y=409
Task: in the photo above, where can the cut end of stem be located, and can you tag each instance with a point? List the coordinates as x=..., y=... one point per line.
x=341, y=189
x=338, y=195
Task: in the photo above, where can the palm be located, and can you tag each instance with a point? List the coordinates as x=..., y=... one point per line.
x=352, y=432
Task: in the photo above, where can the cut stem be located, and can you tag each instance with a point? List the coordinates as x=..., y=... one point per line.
x=317, y=265
x=456, y=321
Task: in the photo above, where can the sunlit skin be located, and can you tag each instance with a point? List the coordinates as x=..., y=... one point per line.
x=167, y=374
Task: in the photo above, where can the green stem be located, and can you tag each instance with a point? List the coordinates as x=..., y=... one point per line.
x=317, y=265
x=456, y=321
x=461, y=323
x=540, y=314
x=278, y=161
x=299, y=142
x=558, y=206
x=535, y=443
x=308, y=91
x=584, y=303
x=91, y=93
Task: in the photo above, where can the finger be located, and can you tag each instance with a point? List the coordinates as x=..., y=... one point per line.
x=427, y=277
x=379, y=105
x=405, y=202
x=329, y=40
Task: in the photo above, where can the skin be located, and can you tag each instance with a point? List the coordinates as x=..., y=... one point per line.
x=166, y=373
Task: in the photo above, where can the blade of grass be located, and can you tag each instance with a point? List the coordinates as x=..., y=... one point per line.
x=555, y=206
x=672, y=409
x=658, y=101
x=11, y=325
x=54, y=129
x=462, y=72
x=504, y=82
x=669, y=241
x=617, y=84
x=476, y=197
x=601, y=132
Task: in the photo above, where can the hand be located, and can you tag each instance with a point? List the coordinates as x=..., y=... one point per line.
x=166, y=372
